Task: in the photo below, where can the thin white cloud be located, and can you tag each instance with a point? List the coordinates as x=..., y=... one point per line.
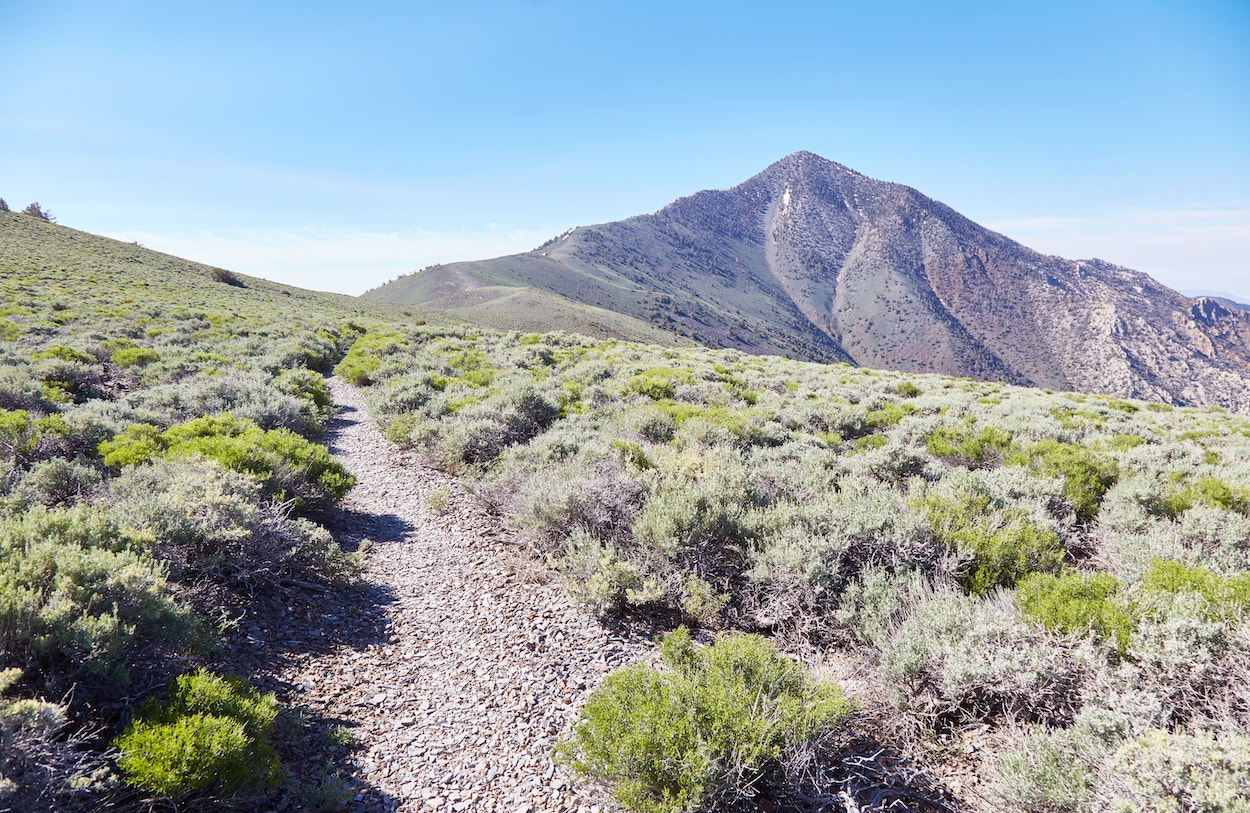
x=1189, y=248
x=347, y=262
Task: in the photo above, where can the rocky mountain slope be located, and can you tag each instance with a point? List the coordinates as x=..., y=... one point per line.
x=812, y=260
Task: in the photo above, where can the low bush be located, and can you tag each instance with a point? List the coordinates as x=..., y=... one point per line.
x=249, y=396
x=310, y=388
x=207, y=522
x=224, y=275
x=598, y=575
x=703, y=728
x=209, y=736
x=705, y=511
x=54, y=482
x=1166, y=772
x=64, y=353
x=658, y=383
x=957, y=659
x=73, y=598
x=965, y=446
x=826, y=542
x=134, y=356
x=1049, y=772
x=1076, y=603
x=1000, y=544
x=887, y=415
x=1225, y=596
x=1213, y=492
x=1086, y=475
x=365, y=357
x=289, y=466
x=19, y=720
x=25, y=437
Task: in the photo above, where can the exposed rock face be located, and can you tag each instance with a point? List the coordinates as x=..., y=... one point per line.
x=812, y=260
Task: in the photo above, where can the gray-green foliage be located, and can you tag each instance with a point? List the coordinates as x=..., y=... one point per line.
x=1151, y=771
x=956, y=659
x=26, y=727
x=893, y=513
x=1164, y=772
x=76, y=598
x=207, y=522
x=98, y=572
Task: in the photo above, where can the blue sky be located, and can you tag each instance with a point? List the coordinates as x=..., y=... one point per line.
x=335, y=145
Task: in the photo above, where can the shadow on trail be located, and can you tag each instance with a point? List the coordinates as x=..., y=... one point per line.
x=298, y=642
x=344, y=416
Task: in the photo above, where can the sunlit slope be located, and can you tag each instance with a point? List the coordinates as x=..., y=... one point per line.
x=814, y=261
x=87, y=277
x=505, y=294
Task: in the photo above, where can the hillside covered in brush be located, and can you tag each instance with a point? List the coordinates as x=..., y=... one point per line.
x=814, y=261
x=873, y=587
x=1044, y=593
x=161, y=487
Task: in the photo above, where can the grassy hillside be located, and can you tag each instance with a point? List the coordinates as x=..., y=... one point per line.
x=1037, y=598
x=481, y=294
x=1045, y=591
x=475, y=294
x=159, y=485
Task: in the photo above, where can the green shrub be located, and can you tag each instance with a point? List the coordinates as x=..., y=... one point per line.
x=1209, y=491
x=289, y=466
x=64, y=353
x=18, y=435
x=134, y=356
x=1125, y=442
x=210, y=735
x=965, y=446
x=657, y=383
x=1076, y=603
x=703, y=728
x=1225, y=596
x=365, y=357
x=310, y=389
x=889, y=414
x=1086, y=476
x=1001, y=544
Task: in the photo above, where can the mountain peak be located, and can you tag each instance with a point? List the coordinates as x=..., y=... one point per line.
x=812, y=260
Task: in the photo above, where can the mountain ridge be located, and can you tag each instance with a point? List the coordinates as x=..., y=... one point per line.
x=812, y=260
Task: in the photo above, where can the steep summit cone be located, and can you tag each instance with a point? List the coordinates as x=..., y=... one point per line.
x=813, y=260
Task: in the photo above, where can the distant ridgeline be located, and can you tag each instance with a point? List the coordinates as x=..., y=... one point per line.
x=814, y=261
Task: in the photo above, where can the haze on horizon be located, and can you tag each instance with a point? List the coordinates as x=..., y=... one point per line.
x=335, y=147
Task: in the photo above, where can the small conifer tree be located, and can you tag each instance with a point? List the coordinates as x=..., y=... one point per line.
x=35, y=210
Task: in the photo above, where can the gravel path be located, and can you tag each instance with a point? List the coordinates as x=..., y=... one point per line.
x=483, y=660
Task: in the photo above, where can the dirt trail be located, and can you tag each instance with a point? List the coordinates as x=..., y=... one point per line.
x=483, y=660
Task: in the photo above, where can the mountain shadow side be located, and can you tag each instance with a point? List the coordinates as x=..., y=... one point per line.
x=811, y=260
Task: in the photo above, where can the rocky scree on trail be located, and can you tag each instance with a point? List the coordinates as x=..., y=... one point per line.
x=484, y=661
